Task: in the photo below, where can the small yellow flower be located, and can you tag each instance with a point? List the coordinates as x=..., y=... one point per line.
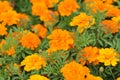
x=83, y=21
x=33, y=62
x=108, y=56
x=37, y=77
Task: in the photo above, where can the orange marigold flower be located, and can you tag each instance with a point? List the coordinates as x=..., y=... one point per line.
x=30, y=40
x=108, y=56
x=113, y=11
x=10, y=17
x=60, y=40
x=37, y=77
x=33, y=62
x=48, y=16
x=74, y=71
x=90, y=54
x=95, y=5
x=4, y=6
x=23, y=19
x=3, y=30
x=66, y=7
x=41, y=30
x=110, y=26
x=51, y=3
x=83, y=21
x=10, y=51
x=39, y=9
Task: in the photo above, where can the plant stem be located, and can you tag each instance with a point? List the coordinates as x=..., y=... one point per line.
x=111, y=73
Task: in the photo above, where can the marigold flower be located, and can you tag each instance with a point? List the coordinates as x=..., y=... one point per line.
x=10, y=17
x=30, y=41
x=113, y=12
x=60, y=40
x=83, y=21
x=95, y=5
x=41, y=9
x=110, y=26
x=33, y=62
x=108, y=56
x=92, y=77
x=90, y=54
x=42, y=31
x=10, y=51
x=4, y=6
x=23, y=19
x=3, y=30
x=74, y=71
x=37, y=77
x=51, y=3
x=66, y=7
x=48, y=3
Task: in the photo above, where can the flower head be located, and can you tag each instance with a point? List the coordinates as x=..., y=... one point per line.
x=66, y=7
x=3, y=30
x=90, y=54
x=37, y=77
x=110, y=26
x=83, y=21
x=60, y=40
x=108, y=56
x=42, y=31
x=74, y=71
x=33, y=62
x=10, y=51
x=30, y=40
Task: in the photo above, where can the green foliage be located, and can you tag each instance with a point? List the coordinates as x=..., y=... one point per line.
x=83, y=40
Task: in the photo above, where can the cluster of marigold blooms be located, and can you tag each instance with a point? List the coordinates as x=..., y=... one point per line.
x=60, y=39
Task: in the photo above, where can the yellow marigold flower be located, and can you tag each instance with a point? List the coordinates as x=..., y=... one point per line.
x=66, y=7
x=108, y=56
x=118, y=78
x=42, y=31
x=33, y=62
x=3, y=30
x=90, y=54
x=74, y=71
x=110, y=26
x=116, y=19
x=30, y=40
x=60, y=40
x=37, y=77
x=10, y=51
x=91, y=77
x=83, y=21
